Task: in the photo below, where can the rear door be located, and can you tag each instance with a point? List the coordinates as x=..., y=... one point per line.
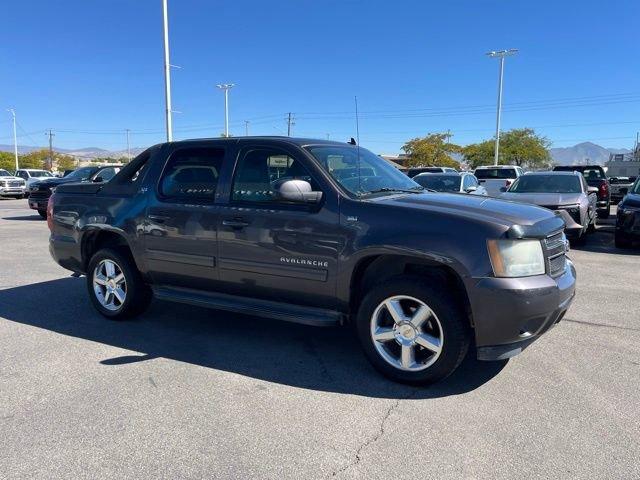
x=275, y=250
x=182, y=217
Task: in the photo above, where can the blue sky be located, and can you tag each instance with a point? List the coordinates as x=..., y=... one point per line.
x=91, y=69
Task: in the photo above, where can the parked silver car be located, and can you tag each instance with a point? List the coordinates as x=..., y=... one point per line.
x=564, y=192
x=451, y=182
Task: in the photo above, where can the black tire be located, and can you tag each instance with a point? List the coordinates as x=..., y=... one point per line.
x=592, y=226
x=621, y=241
x=138, y=294
x=43, y=213
x=455, y=328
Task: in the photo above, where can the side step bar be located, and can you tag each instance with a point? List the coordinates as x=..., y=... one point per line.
x=250, y=306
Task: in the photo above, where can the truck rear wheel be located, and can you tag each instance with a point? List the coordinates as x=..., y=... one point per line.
x=412, y=331
x=115, y=286
x=43, y=213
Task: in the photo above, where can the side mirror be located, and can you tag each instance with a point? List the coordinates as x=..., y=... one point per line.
x=503, y=189
x=471, y=189
x=592, y=190
x=298, y=191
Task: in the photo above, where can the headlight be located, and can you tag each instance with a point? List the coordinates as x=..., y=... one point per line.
x=570, y=208
x=516, y=258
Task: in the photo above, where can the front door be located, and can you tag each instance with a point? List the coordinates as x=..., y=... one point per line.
x=272, y=249
x=182, y=217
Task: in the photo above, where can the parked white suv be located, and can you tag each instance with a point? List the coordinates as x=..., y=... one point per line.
x=31, y=175
x=497, y=178
x=11, y=186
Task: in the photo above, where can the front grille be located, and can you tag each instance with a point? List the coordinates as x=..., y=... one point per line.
x=14, y=183
x=555, y=250
x=575, y=215
x=43, y=193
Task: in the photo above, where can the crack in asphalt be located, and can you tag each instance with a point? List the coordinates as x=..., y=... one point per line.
x=601, y=325
x=370, y=441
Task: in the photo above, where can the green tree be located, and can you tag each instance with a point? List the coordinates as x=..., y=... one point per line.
x=520, y=146
x=477, y=154
x=35, y=159
x=525, y=148
x=7, y=161
x=434, y=149
x=65, y=162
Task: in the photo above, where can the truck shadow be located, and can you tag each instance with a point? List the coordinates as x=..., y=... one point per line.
x=327, y=359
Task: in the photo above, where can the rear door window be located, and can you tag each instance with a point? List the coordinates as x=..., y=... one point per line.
x=191, y=174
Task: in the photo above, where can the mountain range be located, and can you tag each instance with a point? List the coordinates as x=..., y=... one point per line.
x=586, y=152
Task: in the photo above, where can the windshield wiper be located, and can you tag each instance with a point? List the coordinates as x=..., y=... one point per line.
x=394, y=190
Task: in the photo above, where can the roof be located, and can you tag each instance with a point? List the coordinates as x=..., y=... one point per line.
x=554, y=173
x=272, y=138
x=442, y=174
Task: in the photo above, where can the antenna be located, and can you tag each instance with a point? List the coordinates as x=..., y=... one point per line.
x=358, y=142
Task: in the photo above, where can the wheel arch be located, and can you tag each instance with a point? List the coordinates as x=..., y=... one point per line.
x=94, y=239
x=374, y=269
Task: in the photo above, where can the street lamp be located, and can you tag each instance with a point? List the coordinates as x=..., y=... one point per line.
x=226, y=87
x=500, y=54
x=15, y=137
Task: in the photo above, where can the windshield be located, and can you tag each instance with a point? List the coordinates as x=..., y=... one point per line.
x=499, y=173
x=546, y=184
x=371, y=174
x=440, y=183
x=39, y=173
x=4, y=173
x=82, y=173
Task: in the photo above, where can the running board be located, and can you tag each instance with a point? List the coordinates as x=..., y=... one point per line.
x=318, y=317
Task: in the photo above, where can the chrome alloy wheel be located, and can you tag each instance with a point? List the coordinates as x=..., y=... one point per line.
x=407, y=333
x=109, y=285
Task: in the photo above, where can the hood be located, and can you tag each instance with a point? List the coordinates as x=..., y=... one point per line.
x=543, y=199
x=631, y=200
x=52, y=182
x=480, y=207
x=9, y=177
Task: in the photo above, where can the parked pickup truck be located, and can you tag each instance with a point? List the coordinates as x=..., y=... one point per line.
x=619, y=187
x=595, y=177
x=320, y=233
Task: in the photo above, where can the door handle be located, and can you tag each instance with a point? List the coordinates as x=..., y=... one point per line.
x=159, y=218
x=236, y=223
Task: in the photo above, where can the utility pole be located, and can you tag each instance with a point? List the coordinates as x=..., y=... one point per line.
x=290, y=122
x=225, y=87
x=50, y=162
x=15, y=136
x=246, y=128
x=128, y=147
x=167, y=73
x=500, y=54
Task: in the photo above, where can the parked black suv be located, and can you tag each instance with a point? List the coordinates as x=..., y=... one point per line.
x=321, y=233
x=40, y=192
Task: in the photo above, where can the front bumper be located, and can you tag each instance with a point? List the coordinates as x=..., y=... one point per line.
x=12, y=191
x=35, y=204
x=511, y=313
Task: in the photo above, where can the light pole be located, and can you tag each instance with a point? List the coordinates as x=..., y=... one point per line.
x=15, y=137
x=246, y=128
x=167, y=72
x=500, y=54
x=226, y=87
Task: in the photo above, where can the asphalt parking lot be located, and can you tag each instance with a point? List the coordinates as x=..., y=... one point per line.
x=185, y=392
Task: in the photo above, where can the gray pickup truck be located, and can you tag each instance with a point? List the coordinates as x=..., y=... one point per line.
x=320, y=233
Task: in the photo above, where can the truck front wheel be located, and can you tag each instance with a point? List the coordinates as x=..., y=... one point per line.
x=412, y=331
x=115, y=286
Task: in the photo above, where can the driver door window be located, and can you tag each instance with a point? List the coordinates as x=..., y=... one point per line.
x=260, y=169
